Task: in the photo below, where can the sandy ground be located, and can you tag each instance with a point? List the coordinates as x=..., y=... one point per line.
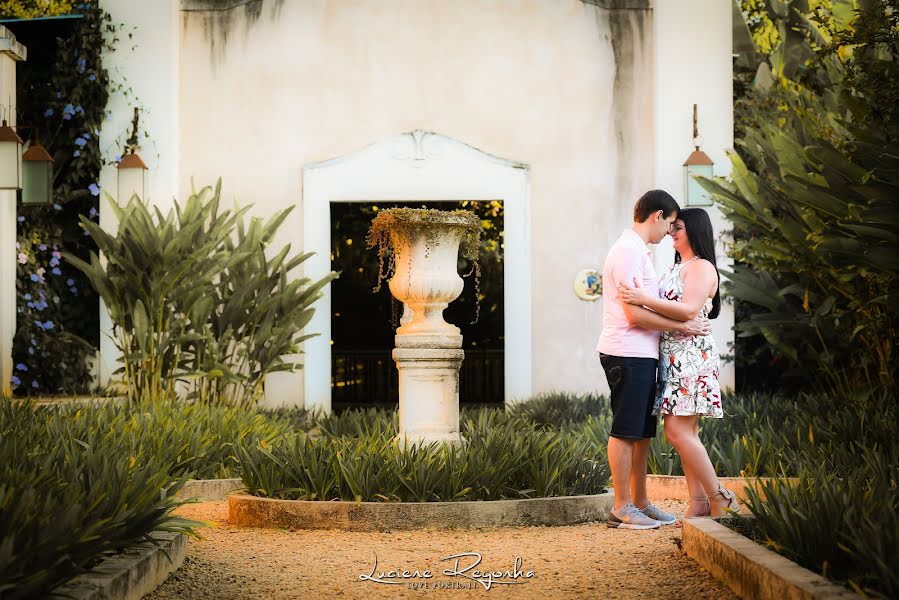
x=584, y=561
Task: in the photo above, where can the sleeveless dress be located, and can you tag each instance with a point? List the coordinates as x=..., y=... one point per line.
x=688, y=364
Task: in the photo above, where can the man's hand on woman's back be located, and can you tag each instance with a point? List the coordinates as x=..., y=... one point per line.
x=696, y=326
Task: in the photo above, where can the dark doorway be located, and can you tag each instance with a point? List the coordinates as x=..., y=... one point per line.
x=363, y=322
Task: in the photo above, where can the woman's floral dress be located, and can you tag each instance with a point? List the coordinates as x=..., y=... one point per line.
x=688, y=364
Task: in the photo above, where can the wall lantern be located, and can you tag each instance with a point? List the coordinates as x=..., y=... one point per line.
x=10, y=158
x=37, y=175
x=132, y=175
x=698, y=163
x=132, y=178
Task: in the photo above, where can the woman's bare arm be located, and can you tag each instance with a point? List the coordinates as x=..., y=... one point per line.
x=700, y=280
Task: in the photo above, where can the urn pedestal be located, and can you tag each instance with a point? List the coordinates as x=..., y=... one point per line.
x=428, y=351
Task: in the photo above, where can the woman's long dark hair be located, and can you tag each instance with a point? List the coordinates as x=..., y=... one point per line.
x=702, y=240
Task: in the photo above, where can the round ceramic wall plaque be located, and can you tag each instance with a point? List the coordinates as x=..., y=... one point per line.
x=588, y=285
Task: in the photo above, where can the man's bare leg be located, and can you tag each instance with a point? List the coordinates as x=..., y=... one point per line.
x=621, y=456
x=638, y=472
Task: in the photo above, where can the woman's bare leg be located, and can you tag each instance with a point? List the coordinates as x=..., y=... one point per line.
x=683, y=433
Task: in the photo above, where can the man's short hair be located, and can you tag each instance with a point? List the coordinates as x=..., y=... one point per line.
x=652, y=201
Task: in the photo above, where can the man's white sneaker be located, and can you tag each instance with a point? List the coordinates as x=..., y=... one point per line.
x=629, y=517
x=654, y=512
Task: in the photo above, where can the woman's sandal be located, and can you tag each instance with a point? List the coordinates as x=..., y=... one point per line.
x=732, y=504
x=703, y=500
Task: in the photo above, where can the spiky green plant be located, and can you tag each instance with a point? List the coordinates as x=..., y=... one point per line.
x=193, y=295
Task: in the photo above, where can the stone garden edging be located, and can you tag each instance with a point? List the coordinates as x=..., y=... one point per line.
x=209, y=489
x=130, y=575
x=674, y=487
x=252, y=511
x=750, y=569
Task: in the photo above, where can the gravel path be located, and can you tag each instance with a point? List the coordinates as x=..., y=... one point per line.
x=583, y=561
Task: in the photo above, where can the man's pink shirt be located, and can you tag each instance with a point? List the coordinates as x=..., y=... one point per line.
x=628, y=258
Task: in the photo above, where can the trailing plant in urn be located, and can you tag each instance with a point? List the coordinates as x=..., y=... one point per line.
x=395, y=227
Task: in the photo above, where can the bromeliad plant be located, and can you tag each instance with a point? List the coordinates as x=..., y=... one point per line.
x=841, y=515
x=193, y=296
x=504, y=457
x=77, y=485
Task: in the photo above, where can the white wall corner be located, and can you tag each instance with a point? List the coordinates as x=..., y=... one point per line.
x=692, y=49
x=149, y=64
x=11, y=52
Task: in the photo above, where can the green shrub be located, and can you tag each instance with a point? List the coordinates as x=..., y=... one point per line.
x=193, y=295
x=812, y=198
x=560, y=408
x=367, y=421
x=841, y=518
x=842, y=524
x=74, y=491
x=504, y=456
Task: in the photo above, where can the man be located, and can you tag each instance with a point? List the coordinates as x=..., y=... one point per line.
x=629, y=352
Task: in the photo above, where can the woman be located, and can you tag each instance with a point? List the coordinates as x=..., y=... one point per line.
x=688, y=365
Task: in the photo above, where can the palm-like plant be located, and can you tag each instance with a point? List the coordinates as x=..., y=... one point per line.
x=193, y=295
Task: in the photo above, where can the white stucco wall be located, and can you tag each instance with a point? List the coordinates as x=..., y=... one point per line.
x=694, y=65
x=148, y=63
x=531, y=81
x=10, y=52
x=590, y=98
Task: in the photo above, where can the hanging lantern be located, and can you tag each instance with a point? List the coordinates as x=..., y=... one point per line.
x=132, y=180
x=132, y=177
x=698, y=163
x=10, y=158
x=37, y=175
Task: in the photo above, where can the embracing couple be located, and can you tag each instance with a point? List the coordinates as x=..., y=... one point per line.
x=660, y=359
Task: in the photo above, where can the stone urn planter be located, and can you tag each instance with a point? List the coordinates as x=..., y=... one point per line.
x=421, y=249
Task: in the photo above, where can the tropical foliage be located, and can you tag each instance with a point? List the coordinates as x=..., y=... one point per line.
x=74, y=489
x=194, y=295
x=813, y=200
x=840, y=517
x=503, y=457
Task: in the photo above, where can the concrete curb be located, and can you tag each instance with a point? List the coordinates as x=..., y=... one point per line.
x=209, y=489
x=751, y=570
x=130, y=575
x=674, y=487
x=252, y=511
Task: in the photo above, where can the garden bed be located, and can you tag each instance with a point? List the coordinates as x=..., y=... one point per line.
x=132, y=574
x=751, y=570
x=674, y=487
x=253, y=511
x=209, y=489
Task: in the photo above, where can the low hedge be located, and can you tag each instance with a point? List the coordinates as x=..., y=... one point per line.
x=73, y=490
x=504, y=457
x=841, y=519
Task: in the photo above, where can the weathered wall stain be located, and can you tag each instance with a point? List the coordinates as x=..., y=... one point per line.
x=631, y=33
x=620, y=4
x=221, y=19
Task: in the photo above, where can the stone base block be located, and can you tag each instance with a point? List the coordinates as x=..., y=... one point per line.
x=432, y=341
x=429, y=394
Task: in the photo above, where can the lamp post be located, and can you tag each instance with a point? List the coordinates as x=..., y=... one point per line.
x=37, y=175
x=698, y=163
x=10, y=158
